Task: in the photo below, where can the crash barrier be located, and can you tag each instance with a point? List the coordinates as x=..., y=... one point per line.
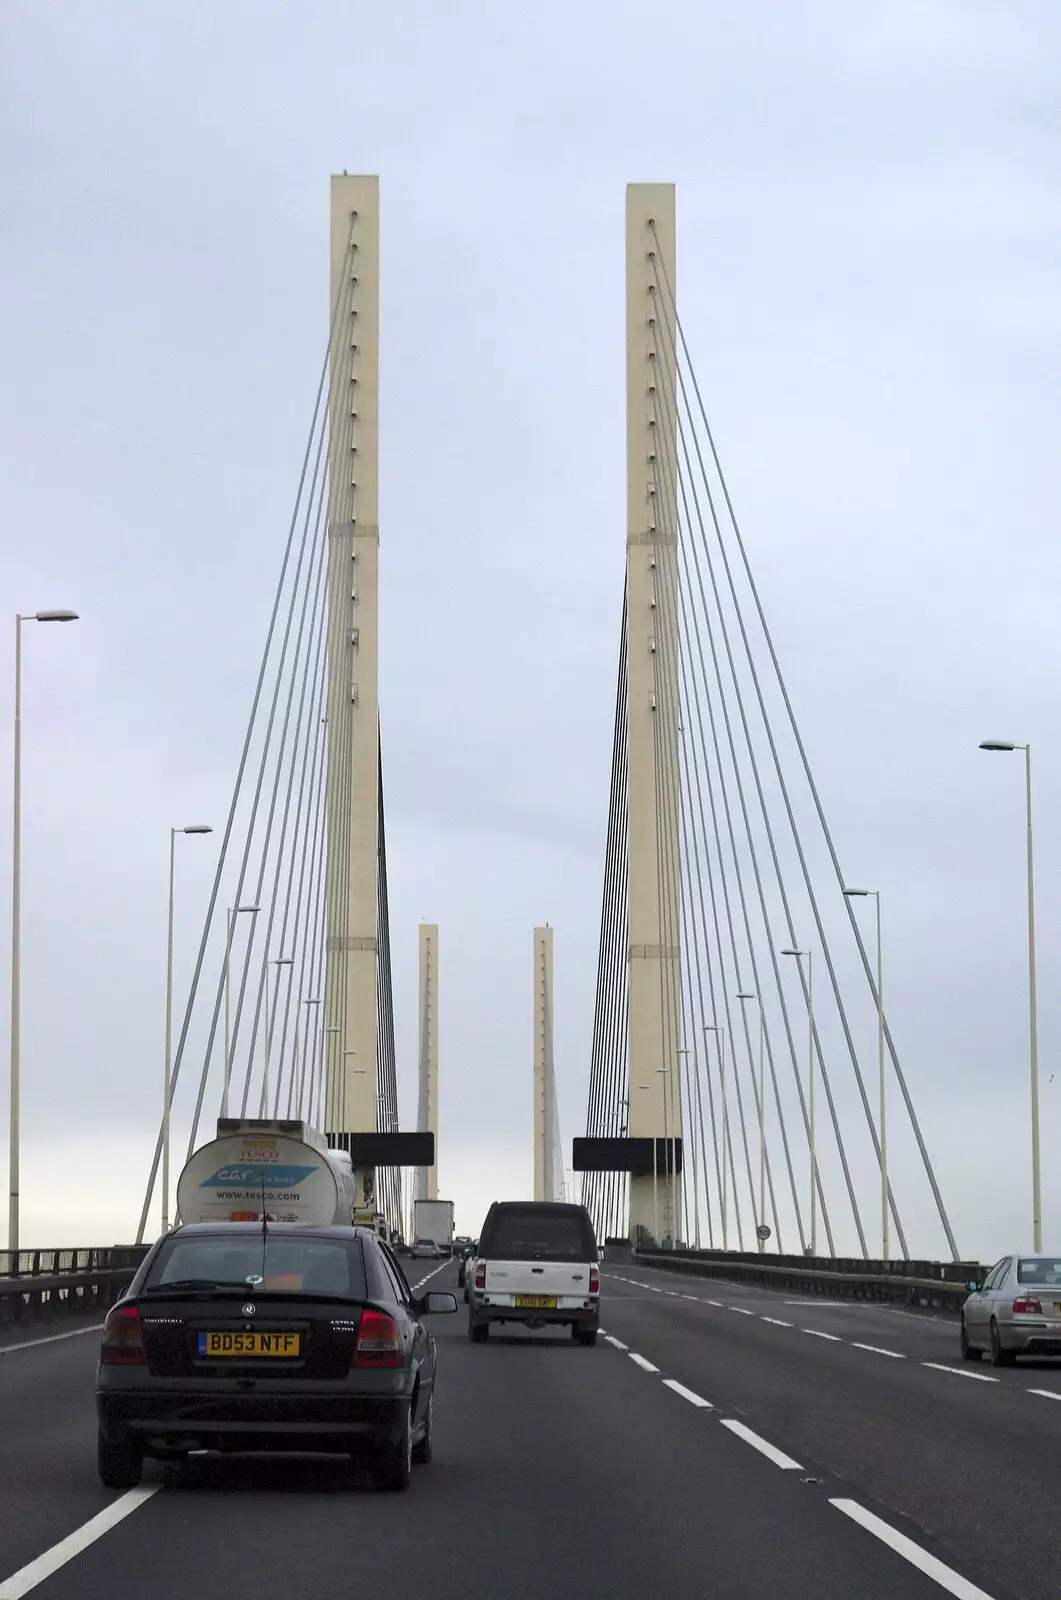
x=927, y=1285
x=47, y=1285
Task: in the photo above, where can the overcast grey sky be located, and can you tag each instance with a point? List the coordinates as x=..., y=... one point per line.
x=869, y=250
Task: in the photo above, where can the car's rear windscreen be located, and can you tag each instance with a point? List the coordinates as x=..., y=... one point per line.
x=530, y=1233
x=1043, y=1270
x=251, y=1264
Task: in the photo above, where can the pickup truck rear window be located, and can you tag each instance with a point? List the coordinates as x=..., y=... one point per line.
x=531, y=1235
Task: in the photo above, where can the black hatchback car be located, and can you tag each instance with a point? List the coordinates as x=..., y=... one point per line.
x=233, y=1337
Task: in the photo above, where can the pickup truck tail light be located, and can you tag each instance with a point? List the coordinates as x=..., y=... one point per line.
x=123, y=1339
x=379, y=1344
x=1028, y=1303
x=594, y=1281
x=480, y=1275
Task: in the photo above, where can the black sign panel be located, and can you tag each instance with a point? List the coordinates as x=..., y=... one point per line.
x=386, y=1149
x=627, y=1155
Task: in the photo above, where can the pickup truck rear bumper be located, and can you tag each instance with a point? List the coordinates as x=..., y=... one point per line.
x=577, y=1314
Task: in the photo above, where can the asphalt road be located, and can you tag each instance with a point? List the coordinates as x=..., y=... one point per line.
x=564, y=1469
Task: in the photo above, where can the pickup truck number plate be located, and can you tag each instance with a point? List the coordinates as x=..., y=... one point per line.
x=537, y=1302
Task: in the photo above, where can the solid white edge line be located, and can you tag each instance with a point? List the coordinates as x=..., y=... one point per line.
x=618, y=1343
x=52, y=1338
x=688, y=1394
x=35, y=1572
x=776, y=1322
x=1047, y=1394
x=933, y=1568
x=816, y=1333
x=960, y=1372
x=771, y=1452
x=646, y=1366
x=875, y=1349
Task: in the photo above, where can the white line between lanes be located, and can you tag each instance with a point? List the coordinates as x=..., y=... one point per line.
x=28, y=1577
x=687, y=1394
x=646, y=1366
x=618, y=1343
x=818, y=1334
x=945, y=1576
x=960, y=1372
x=52, y=1338
x=771, y=1452
x=1047, y=1394
x=430, y=1275
x=776, y=1322
x=875, y=1350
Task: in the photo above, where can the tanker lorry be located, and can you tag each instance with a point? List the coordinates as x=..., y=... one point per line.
x=281, y=1166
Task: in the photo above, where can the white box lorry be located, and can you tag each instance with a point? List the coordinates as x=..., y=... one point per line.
x=284, y=1164
x=433, y=1219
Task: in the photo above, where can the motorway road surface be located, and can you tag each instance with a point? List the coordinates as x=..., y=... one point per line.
x=819, y=1466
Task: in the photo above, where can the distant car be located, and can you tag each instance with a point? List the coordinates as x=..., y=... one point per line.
x=536, y=1263
x=1017, y=1312
x=221, y=1317
x=426, y=1250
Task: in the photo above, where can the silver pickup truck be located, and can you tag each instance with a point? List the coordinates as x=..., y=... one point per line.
x=537, y=1263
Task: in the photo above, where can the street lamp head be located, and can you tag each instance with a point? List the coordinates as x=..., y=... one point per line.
x=55, y=616
x=857, y=894
x=283, y=961
x=240, y=909
x=744, y=995
x=313, y=1000
x=198, y=827
x=997, y=744
x=793, y=952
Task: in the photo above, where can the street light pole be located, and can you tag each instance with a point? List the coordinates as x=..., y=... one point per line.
x=762, y=1122
x=862, y=894
x=1033, y=1029
x=719, y=1031
x=167, y=1075
x=16, y=933
x=230, y=921
x=280, y=961
x=655, y=1181
x=799, y=954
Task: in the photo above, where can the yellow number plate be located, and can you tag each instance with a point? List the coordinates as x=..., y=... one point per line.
x=539, y=1302
x=213, y=1345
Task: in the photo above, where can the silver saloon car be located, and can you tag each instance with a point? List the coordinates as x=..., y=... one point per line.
x=1017, y=1312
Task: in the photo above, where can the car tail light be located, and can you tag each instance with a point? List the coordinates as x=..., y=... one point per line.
x=379, y=1344
x=1028, y=1303
x=594, y=1281
x=480, y=1275
x=123, y=1340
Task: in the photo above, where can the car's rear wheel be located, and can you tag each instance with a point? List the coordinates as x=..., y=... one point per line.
x=393, y=1468
x=121, y=1466
x=584, y=1335
x=970, y=1352
x=1000, y=1356
x=423, y=1449
x=478, y=1332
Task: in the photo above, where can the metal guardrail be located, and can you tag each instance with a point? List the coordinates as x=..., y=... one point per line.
x=927, y=1285
x=43, y=1285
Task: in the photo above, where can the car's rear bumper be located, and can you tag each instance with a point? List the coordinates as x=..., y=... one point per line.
x=1031, y=1340
x=167, y=1421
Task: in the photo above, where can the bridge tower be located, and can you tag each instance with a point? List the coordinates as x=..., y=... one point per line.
x=544, y=1086
x=427, y=1056
x=653, y=955
x=352, y=798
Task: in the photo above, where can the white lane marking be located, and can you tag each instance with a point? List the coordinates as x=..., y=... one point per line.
x=771, y=1452
x=691, y=1297
x=53, y=1338
x=776, y=1322
x=945, y=1576
x=651, y=1286
x=28, y=1577
x=618, y=1343
x=818, y=1334
x=875, y=1350
x=960, y=1372
x=717, y=1305
x=1047, y=1394
x=646, y=1366
x=741, y=1311
x=430, y=1275
x=687, y=1394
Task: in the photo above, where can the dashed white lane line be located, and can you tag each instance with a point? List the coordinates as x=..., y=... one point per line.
x=688, y=1394
x=430, y=1275
x=1047, y=1394
x=816, y=1333
x=933, y=1568
x=28, y=1577
x=646, y=1366
x=875, y=1350
x=717, y=1305
x=695, y=1297
x=618, y=1343
x=776, y=1322
x=52, y=1338
x=960, y=1372
x=741, y=1311
x=764, y=1447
